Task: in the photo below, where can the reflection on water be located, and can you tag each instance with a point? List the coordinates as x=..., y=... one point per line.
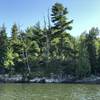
x=49, y=92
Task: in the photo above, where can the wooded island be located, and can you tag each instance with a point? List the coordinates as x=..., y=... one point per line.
x=50, y=50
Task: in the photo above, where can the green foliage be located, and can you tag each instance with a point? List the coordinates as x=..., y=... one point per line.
x=3, y=45
x=84, y=68
x=51, y=49
x=59, y=18
x=14, y=31
x=98, y=54
x=9, y=58
x=91, y=47
x=61, y=24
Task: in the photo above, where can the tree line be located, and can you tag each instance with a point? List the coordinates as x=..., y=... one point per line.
x=40, y=51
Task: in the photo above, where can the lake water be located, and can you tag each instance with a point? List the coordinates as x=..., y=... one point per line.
x=49, y=92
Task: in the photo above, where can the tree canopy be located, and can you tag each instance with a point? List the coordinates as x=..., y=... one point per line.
x=40, y=51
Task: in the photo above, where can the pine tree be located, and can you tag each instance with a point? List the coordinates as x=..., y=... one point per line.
x=61, y=24
x=3, y=45
x=84, y=68
x=91, y=47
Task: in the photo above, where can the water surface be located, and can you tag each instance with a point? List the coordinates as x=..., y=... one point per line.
x=49, y=92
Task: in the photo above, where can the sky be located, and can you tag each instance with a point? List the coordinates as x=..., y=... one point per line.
x=85, y=13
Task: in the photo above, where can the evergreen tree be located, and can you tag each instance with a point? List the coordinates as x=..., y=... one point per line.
x=91, y=47
x=98, y=55
x=61, y=24
x=84, y=68
x=14, y=45
x=3, y=45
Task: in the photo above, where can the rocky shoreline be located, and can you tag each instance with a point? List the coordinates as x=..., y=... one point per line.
x=18, y=79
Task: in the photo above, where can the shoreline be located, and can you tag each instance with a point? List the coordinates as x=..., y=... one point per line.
x=71, y=80
x=65, y=82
